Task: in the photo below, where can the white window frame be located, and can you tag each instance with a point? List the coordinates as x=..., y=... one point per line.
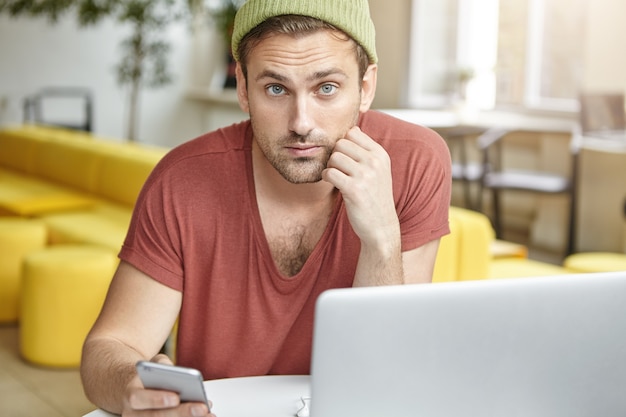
x=468, y=43
x=416, y=96
x=534, y=63
x=532, y=99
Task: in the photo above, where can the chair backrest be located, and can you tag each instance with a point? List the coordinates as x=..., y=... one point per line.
x=69, y=107
x=489, y=144
x=602, y=112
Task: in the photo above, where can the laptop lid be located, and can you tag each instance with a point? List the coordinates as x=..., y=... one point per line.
x=549, y=346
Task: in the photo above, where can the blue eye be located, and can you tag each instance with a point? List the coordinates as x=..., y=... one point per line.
x=275, y=90
x=328, y=89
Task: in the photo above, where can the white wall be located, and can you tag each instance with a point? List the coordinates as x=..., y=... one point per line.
x=605, y=60
x=392, y=19
x=35, y=54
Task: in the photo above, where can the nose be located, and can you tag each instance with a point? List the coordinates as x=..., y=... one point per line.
x=301, y=120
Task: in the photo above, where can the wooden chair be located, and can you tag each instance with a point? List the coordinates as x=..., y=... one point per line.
x=464, y=170
x=498, y=178
x=601, y=112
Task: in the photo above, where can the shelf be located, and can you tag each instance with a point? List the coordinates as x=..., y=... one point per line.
x=204, y=94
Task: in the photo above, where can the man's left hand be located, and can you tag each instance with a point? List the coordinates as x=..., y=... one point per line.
x=361, y=170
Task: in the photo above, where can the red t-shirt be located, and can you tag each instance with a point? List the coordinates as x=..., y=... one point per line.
x=196, y=228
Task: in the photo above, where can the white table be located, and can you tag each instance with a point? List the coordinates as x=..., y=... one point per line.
x=608, y=141
x=260, y=396
x=437, y=119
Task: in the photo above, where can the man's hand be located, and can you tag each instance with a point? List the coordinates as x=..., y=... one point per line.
x=139, y=401
x=361, y=169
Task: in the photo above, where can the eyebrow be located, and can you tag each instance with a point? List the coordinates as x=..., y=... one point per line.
x=331, y=71
x=315, y=76
x=271, y=74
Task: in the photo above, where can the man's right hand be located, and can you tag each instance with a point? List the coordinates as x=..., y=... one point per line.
x=139, y=401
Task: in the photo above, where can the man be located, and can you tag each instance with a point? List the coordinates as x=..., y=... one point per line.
x=236, y=233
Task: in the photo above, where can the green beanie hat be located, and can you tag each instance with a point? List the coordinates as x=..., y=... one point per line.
x=350, y=16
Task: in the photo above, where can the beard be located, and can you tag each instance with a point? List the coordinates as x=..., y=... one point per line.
x=305, y=169
x=297, y=170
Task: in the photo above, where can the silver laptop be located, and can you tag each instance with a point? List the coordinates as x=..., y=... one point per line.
x=549, y=346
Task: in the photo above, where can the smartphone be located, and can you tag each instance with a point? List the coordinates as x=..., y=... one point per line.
x=187, y=382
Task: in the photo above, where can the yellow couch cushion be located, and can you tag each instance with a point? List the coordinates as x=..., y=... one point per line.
x=18, y=237
x=465, y=253
x=43, y=204
x=21, y=144
x=505, y=249
x=595, y=262
x=446, y=264
x=63, y=291
x=475, y=243
x=121, y=176
x=68, y=163
x=29, y=196
x=520, y=267
x=104, y=225
x=18, y=150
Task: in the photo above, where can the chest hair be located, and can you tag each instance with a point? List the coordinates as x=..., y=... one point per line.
x=292, y=241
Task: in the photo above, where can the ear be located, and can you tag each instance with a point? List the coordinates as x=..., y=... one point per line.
x=368, y=88
x=242, y=89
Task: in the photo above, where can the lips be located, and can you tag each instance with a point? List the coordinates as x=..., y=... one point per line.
x=303, y=150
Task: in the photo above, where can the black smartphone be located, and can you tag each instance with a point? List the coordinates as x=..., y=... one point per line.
x=187, y=382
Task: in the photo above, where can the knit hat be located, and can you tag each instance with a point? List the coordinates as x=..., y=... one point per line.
x=350, y=16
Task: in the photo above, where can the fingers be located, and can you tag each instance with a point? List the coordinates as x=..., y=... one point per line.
x=145, y=399
x=360, y=169
x=147, y=402
x=357, y=146
x=194, y=410
x=356, y=135
x=356, y=157
x=162, y=358
x=143, y=402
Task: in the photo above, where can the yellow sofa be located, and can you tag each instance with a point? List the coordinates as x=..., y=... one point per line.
x=464, y=254
x=84, y=187
x=81, y=186
x=467, y=253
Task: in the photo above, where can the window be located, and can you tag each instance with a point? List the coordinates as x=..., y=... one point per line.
x=433, y=52
x=514, y=53
x=555, y=55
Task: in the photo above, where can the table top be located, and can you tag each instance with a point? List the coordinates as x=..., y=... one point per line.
x=438, y=119
x=260, y=396
x=612, y=141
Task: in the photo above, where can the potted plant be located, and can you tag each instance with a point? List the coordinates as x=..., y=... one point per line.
x=224, y=19
x=144, y=61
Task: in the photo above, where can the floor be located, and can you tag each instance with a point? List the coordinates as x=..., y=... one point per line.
x=538, y=254
x=27, y=391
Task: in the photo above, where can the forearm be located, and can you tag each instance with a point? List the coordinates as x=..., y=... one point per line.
x=107, y=367
x=136, y=319
x=380, y=262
